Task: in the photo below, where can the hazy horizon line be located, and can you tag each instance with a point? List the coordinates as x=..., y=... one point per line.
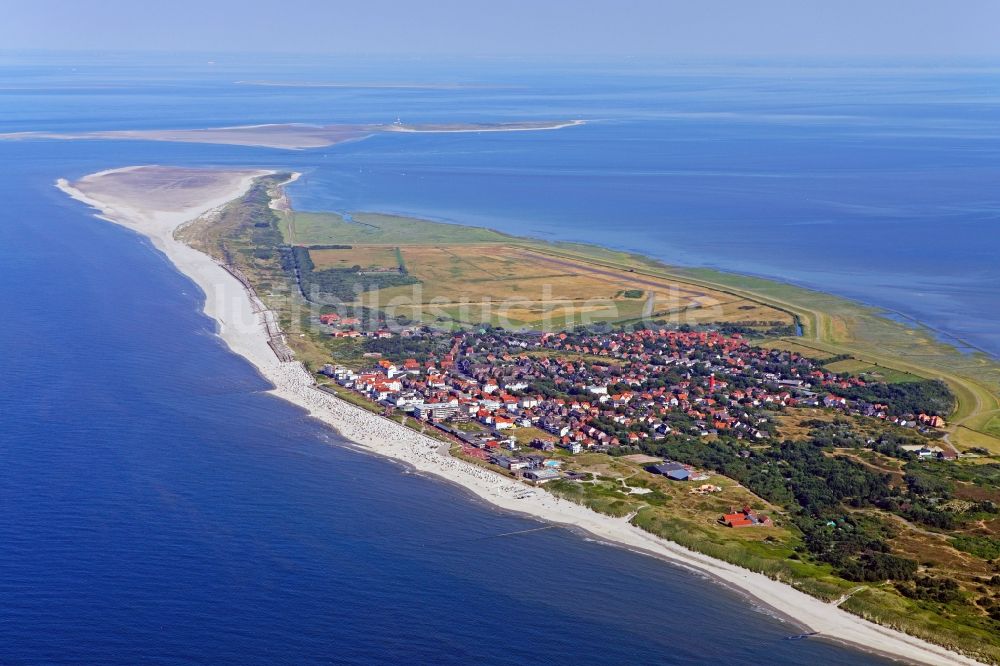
x=786, y=59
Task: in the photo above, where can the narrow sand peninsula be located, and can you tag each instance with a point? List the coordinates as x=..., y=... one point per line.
x=494, y=127
x=288, y=136
x=154, y=201
x=285, y=136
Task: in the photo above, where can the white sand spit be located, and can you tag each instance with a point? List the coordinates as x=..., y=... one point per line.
x=288, y=136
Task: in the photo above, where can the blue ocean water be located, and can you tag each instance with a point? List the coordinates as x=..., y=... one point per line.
x=156, y=506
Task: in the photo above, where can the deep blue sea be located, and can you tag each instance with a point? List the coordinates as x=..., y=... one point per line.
x=157, y=507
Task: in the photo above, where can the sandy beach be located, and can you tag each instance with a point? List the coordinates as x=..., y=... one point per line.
x=283, y=136
x=516, y=127
x=286, y=136
x=154, y=201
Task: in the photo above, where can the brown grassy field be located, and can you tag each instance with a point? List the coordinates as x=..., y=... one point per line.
x=511, y=285
x=802, y=350
x=366, y=256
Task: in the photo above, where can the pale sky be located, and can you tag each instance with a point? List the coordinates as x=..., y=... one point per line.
x=725, y=28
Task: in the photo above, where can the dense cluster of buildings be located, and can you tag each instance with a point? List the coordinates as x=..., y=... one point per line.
x=597, y=391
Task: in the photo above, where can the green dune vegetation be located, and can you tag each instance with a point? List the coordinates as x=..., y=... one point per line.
x=859, y=519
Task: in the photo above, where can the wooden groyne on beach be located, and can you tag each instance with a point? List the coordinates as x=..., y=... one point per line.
x=275, y=337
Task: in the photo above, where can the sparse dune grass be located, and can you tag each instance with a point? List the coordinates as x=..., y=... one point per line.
x=921, y=619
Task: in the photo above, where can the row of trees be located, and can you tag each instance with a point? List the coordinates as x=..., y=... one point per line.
x=928, y=397
x=344, y=284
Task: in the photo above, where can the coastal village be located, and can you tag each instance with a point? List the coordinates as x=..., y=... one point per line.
x=523, y=401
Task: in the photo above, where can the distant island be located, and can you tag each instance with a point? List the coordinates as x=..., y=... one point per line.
x=291, y=136
x=373, y=85
x=775, y=438
x=481, y=127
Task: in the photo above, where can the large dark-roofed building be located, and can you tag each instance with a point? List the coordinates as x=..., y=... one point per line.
x=666, y=467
